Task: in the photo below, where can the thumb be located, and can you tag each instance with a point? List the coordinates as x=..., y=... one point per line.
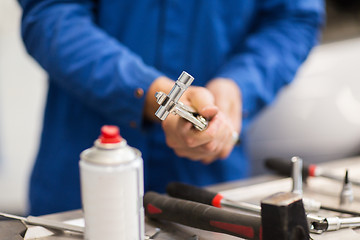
x=203, y=101
x=209, y=112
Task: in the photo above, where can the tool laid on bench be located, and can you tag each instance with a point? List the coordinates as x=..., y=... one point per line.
x=201, y=195
x=193, y=193
x=324, y=224
x=283, y=167
x=283, y=217
x=316, y=224
x=346, y=194
x=294, y=168
x=39, y=221
x=201, y=216
x=277, y=208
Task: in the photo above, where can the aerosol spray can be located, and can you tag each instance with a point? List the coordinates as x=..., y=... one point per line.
x=112, y=188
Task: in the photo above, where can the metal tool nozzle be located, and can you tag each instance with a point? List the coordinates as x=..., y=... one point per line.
x=346, y=195
x=297, y=164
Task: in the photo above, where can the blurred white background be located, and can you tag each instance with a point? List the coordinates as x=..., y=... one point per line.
x=22, y=93
x=317, y=117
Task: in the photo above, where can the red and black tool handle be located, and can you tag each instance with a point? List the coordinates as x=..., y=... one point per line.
x=193, y=193
x=284, y=167
x=202, y=216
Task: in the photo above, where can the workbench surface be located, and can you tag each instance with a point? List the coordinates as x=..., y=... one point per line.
x=253, y=190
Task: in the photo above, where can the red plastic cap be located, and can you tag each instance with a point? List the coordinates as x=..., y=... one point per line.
x=312, y=170
x=110, y=134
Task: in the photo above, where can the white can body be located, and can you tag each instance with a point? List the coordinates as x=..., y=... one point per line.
x=112, y=193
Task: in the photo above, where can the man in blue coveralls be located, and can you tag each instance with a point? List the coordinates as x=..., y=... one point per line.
x=107, y=58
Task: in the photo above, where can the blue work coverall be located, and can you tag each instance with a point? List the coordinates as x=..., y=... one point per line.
x=102, y=55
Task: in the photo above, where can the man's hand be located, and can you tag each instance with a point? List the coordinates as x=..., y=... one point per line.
x=213, y=143
x=161, y=84
x=227, y=97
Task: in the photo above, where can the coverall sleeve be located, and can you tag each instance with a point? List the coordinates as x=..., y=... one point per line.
x=280, y=41
x=85, y=61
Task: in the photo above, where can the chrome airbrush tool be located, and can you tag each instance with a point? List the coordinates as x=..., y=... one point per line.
x=170, y=103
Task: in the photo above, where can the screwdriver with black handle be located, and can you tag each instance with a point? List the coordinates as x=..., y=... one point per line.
x=283, y=167
x=202, y=216
x=317, y=224
x=201, y=195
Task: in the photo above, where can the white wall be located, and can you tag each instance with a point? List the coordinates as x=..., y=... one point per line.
x=22, y=92
x=317, y=117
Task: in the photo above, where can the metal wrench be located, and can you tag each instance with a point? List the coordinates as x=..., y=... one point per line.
x=39, y=221
x=170, y=103
x=57, y=225
x=323, y=224
x=151, y=234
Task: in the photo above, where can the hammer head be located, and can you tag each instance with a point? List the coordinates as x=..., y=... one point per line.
x=283, y=217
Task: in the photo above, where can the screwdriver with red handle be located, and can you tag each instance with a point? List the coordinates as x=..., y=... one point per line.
x=201, y=195
x=202, y=216
x=283, y=167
